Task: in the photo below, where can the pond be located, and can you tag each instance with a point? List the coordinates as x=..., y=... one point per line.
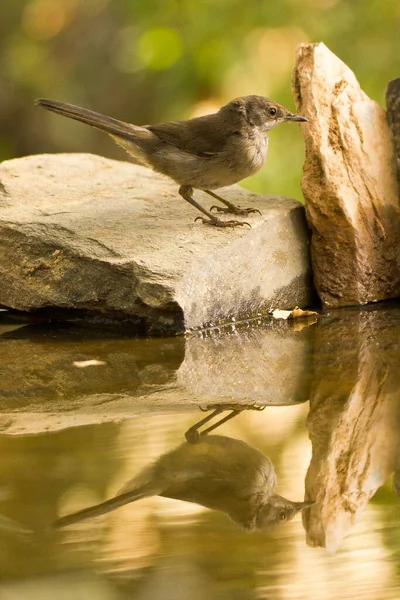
x=73, y=433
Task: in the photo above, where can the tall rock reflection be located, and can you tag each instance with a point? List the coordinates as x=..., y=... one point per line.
x=353, y=418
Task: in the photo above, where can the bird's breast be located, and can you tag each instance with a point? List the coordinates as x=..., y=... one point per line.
x=245, y=156
x=241, y=157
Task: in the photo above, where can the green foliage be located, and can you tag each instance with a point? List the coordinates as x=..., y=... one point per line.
x=154, y=60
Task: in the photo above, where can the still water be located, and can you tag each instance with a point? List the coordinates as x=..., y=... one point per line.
x=73, y=435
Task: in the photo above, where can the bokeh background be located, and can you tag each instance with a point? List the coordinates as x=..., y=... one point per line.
x=148, y=61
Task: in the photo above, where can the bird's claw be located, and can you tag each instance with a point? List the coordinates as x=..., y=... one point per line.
x=235, y=210
x=192, y=435
x=238, y=407
x=214, y=222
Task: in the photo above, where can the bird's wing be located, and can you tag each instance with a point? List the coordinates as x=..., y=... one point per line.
x=198, y=136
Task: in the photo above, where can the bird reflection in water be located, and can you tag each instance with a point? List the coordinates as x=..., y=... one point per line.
x=216, y=471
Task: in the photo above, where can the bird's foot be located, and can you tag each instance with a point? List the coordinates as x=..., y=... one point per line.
x=215, y=222
x=193, y=434
x=235, y=210
x=234, y=406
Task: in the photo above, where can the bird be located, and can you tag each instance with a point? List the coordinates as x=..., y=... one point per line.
x=202, y=153
x=215, y=471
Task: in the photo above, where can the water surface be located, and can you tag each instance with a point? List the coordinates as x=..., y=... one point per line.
x=72, y=437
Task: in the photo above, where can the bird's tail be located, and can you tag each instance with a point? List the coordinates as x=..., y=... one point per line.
x=100, y=509
x=108, y=124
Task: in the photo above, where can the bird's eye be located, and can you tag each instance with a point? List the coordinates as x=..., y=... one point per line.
x=282, y=515
x=272, y=111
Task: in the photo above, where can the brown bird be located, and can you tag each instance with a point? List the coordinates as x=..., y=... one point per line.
x=216, y=471
x=203, y=153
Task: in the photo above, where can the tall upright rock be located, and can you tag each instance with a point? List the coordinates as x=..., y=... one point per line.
x=349, y=183
x=393, y=109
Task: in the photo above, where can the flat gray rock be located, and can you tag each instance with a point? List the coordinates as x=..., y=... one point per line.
x=88, y=239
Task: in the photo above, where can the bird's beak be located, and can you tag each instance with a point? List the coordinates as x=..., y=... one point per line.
x=301, y=505
x=292, y=117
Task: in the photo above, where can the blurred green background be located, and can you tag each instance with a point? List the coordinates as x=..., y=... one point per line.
x=147, y=61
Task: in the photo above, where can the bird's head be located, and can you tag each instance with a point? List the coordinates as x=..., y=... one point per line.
x=277, y=510
x=261, y=112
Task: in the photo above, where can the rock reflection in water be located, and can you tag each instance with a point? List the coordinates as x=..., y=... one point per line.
x=353, y=421
x=267, y=365
x=218, y=472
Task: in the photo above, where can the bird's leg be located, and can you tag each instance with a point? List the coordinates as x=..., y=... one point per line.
x=193, y=435
x=186, y=193
x=231, y=208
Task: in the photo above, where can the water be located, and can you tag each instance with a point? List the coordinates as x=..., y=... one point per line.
x=72, y=437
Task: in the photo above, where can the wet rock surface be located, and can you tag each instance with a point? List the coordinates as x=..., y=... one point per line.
x=42, y=387
x=265, y=362
x=266, y=365
x=86, y=239
x=349, y=183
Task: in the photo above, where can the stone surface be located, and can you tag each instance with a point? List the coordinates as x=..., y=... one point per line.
x=393, y=111
x=349, y=183
x=86, y=238
x=354, y=419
